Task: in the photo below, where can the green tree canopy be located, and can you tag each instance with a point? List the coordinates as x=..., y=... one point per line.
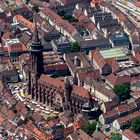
x=135, y=125
x=49, y=118
x=61, y=13
x=28, y=117
x=60, y=126
x=75, y=47
x=89, y=128
x=123, y=91
x=70, y=18
x=116, y=136
x=67, y=16
x=35, y=8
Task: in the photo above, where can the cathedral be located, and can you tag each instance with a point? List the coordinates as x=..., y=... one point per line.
x=61, y=95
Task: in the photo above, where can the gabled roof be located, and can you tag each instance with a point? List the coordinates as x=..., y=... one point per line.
x=113, y=63
x=113, y=114
x=130, y=135
x=55, y=83
x=80, y=91
x=25, y=22
x=122, y=108
x=110, y=105
x=98, y=59
x=127, y=119
x=83, y=135
x=118, y=80
x=58, y=20
x=100, y=88
x=52, y=81
x=17, y=48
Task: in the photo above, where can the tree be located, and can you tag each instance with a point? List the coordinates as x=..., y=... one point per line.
x=116, y=136
x=135, y=125
x=61, y=13
x=75, y=47
x=35, y=8
x=49, y=118
x=28, y=117
x=60, y=126
x=123, y=91
x=67, y=16
x=89, y=128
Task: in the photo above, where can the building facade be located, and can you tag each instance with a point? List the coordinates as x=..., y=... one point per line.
x=61, y=95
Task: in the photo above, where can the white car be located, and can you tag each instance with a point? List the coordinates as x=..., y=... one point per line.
x=37, y=109
x=47, y=109
x=41, y=107
x=55, y=112
x=51, y=110
x=38, y=105
x=46, y=112
x=33, y=102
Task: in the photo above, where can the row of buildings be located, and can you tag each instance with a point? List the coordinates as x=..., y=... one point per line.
x=35, y=48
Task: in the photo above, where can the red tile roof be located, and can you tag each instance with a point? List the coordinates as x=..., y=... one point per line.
x=98, y=59
x=127, y=119
x=111, y=114
x=96, y=1
x=113, y=79
x=17, y=48
x=25, y=22
x=78, y=124
x=101, y=88
x=52, y=123
x=113, y=63
x=7, y=35
x=52, y=81
x=122, y=17
x=110, y=105
x=137, y=4
x=122, y=108
x=36, y=132
x=2, y=119
x=67, y=131
x=116, y=80
x=56, y=67
x=84, y=74
x=130, y=135
x=78, y=90
x=84, y=20
x=58, y=20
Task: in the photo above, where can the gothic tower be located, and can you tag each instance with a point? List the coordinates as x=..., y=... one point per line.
x=90, y=100
x=88, y=107
x=68, y=88
x=36, y=66
x=36, y=54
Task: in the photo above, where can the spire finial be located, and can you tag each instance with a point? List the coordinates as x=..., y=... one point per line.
x=90, y=100
x=90, y=90
x=36, y=35
x=36, y=39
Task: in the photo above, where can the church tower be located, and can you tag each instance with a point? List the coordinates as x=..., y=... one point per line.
x=36, y=54
x=88, y=108
x=68, y=88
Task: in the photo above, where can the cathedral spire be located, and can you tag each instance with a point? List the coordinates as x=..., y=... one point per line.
x=36, y=42
x=36, y=51
x=36, y=35
x=90, y=100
